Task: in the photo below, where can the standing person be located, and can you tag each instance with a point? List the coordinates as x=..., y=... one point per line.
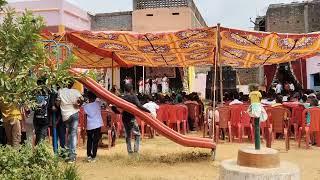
x=28, y=120
x=292, y=88
x=147, y=86
x=165, y=84
x=94, y=124
x=286, y=87
x=127, y=80
x=41, y=118
x=2, y=132
x=11, y=115
x=60, y=125
x=129, y=122
x=154, y=86
x=70, y=102
x=278, y=88
x=141, y=84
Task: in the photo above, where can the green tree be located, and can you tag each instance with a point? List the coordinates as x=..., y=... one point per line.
x=24, y=59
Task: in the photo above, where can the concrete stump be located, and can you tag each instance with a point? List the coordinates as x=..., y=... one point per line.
x=263, y=158
x=261, y=164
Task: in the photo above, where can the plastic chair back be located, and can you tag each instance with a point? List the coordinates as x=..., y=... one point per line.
x=315, y=119
x=235, y=115
x=172, y=114
x=297, y=115
x=279, y=115
x=162, y=113
x=224, y=116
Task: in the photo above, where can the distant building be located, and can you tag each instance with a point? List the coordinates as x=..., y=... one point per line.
x=59, y=15
x=296, y=17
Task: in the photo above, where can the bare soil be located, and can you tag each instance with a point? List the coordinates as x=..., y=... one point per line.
x=161, y=159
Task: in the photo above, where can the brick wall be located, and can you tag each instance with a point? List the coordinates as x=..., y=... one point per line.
x=118, y=21
x=248, y=76
x=298, y=17
x=286, y=18
x=314, y=16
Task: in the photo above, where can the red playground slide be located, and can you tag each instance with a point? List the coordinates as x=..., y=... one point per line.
x=147, y=118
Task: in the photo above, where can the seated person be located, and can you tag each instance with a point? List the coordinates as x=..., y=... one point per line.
x=151, y=106
x=278, y=101
x=235, y=100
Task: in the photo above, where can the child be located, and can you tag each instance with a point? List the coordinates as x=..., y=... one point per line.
x=151, y=106
x=257, y=112
x=255, y=109
x=94, y=124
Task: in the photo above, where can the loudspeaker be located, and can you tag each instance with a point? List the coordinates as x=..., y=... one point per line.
x=229, y=82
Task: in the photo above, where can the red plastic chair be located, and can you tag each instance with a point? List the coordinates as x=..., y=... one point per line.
x=182, y=116
x=313, y=127
x=280, y=118
x=235, y=120
x=144, y=128
x=246, y=123
x=193, y=112
x=162, y=113
x=105, y=129
x=296, y=119
x=266, y=127
x=173, y=118
x=224, y=123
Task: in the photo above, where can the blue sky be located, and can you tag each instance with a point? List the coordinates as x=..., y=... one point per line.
x=230, y=13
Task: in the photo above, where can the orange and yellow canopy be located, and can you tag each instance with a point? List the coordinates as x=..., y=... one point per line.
x=192, y=47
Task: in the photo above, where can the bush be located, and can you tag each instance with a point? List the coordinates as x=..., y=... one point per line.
x=33, y=163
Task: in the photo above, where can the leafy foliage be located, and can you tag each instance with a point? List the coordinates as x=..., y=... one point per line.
x=38, y=163
x=24, y=59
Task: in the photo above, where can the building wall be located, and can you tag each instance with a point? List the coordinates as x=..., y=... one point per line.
x=313, y=67
x=313, y=16
x=164, y=19
x=293, y=17
x=286, y=18
x=56, y=13
x=118, y=21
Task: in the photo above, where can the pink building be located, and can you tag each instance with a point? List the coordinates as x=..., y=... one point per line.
x=59, y=15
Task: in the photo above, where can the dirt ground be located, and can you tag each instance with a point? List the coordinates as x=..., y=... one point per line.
x=161, y=159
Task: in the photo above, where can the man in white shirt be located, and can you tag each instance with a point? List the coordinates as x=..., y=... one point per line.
x=235, y=100
x=70, y=102
x=278, y=88
x=151, y=106
x=292, y=88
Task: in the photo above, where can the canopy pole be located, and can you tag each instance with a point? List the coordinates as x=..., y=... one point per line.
x=220, y=62
x=135, y=78
x=301, y=74
x=143, y=80
x=216, y=59
x=112, y=70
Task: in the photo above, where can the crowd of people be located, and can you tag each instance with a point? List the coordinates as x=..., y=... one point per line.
x=22, y=123
x=65, y=104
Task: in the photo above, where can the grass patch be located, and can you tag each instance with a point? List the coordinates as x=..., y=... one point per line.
x=152, y=158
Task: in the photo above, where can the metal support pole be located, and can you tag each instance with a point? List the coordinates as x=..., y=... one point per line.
x=257, y=133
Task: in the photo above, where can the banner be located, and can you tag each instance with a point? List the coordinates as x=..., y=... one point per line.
x=160, y=72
